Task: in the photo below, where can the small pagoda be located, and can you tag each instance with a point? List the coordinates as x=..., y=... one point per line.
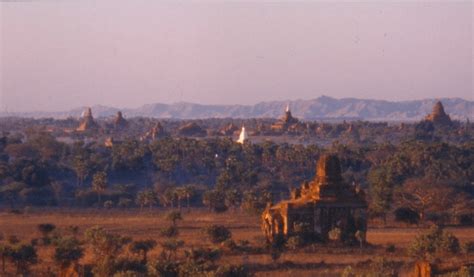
x=87, y=121
x=284, y=123
x=119, y=121
x=438, y=115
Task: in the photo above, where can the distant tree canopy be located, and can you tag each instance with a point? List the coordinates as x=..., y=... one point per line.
x=38, y=169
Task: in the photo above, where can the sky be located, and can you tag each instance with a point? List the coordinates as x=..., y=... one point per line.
x=57, y=55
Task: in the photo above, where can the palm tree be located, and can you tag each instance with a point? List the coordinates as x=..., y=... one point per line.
x=189, y=192
x=99, y=184
x=181, y=194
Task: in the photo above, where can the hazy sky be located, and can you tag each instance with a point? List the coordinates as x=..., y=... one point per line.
x=56, y=55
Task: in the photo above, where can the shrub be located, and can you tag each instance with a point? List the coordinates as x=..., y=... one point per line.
x=335, y=234
x=174, y=216
x=46, y=228
x=190, y=268
x=106, y=248
x=164, y=268
x=129, y=267
x=203, y=255
x=468, y=247
x=231, y=271
x=383, y=268
x=142, y=247
x=13, y=239
x=68, y=251
x=348, y=272
x=436, y=241
x=294, y=242
x=125, y=203
x=171, y=231
x=230, y=245
x=390, y=248
x=23, y=256
x=217, y=233
x=108, y=204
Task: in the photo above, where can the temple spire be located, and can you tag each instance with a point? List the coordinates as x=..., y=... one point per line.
x=243, y=136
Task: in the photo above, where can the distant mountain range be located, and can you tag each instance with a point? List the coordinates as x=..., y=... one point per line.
x=321, y=108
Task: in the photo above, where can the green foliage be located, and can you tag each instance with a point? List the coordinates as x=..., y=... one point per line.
x=335, y=234
x=255, y=200
x=146, y=198
x=295, y=242
x=464, y=271
x=435, y=242
x=45, y=229
x=67, y=251
x=164, y=268
x=170, y=231
x=106, y=247
x=381, y=190
x=99, y=184
x=215, y=201
x=174, y=216
x=231, y=271
x=468, y=247
x=390, y=248
x=142, y=247
x=23, y=256
x=5, y=252
x=108, y=204
x=382, y=267
x=217, y=233
x=203, y=255
x=125, y=203
x=170, y=248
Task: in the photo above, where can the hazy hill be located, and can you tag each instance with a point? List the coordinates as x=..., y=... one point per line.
x=320, y=108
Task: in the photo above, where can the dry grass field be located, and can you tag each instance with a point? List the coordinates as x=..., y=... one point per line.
x=316, y=261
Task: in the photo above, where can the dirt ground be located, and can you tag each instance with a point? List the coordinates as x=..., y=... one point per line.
x=316, y=261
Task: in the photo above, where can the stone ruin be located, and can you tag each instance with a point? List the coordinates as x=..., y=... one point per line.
x=191, y=129
x=438, y=115
x=119, y=121
x=155, y=133
x=318, y=206
x=87, y=121
x=285, y=122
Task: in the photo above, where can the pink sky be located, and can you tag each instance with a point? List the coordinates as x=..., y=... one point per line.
x=56, y=55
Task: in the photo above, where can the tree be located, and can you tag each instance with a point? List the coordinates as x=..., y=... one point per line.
x=381, y=192
x=170, y=247
x=99, y=184
x=106, y=247
x=5, y=252
x=68, y=251
x=422, y=195
x=434, y=242
x=189, y=192
x=23, y=256
x=214, y=200
x=11, y=191
x=45, y=229
x=146, y=198
x=233, y=198
x=174, y=216
x=181, y=194
x=81, y=167
x=142, y=247
x=217, y=233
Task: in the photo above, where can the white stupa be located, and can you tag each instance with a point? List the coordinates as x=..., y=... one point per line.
x=243, y=136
